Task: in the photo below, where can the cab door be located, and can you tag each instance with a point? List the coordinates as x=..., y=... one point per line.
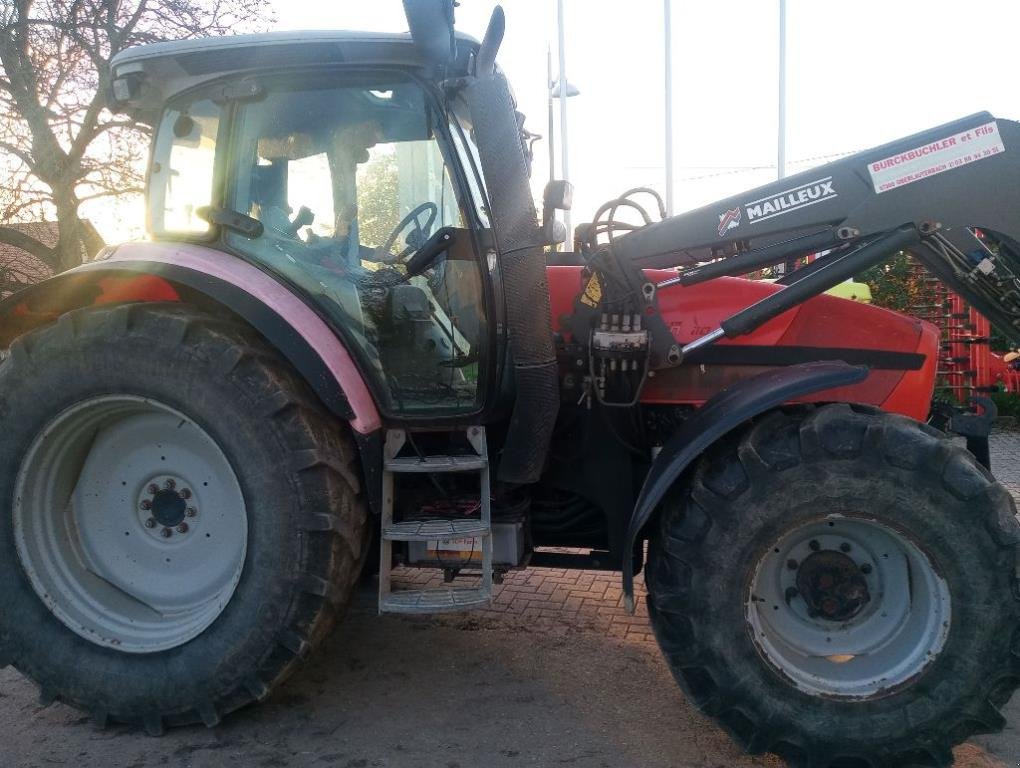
x=350, y=177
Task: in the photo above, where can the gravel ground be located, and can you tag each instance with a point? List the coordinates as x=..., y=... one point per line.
x=493, y=691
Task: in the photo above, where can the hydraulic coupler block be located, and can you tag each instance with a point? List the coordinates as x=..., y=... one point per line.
x=620, y=351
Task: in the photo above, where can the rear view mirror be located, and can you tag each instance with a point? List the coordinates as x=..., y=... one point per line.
x=558, y=196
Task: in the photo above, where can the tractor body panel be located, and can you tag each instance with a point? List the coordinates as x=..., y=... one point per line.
x=901, y=352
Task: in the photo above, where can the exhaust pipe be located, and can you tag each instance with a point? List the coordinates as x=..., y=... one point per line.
x=520, y=245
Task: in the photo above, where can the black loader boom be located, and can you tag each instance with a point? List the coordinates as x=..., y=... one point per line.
x=950, y=196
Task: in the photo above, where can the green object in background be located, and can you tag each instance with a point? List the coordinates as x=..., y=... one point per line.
x=851, y=289
x=848, y=289
x=1008, y=404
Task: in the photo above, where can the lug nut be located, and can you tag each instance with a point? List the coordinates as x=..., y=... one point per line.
x=153, y=488
x=844, y=547
x=866, y=569
x=150, y=523
x=791, y=592
x=182, y=528
x=791, y=564
x=166, y=533
x=815, y=546
x=170, y=484
x=185, y=493
x=146, y=504
x=191, y=512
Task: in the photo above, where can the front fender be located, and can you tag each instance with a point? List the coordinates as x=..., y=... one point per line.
x=723, y=412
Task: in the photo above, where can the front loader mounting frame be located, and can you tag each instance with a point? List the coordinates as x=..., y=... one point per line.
x=948, y=196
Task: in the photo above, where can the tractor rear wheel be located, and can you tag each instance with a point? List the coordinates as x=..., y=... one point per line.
x=839, y=586
x=183, y=518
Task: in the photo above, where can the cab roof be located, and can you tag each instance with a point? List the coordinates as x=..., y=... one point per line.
x=168, y=68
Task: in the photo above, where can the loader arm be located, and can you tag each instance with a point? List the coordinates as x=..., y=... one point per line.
x=950, y=196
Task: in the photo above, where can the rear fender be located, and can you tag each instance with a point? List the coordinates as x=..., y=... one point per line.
x=158, y=272
x=718, y=416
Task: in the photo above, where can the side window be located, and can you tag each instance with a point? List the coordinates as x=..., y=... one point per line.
x=182, y=173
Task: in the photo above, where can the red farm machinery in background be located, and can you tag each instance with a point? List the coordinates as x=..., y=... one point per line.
x=967, y=365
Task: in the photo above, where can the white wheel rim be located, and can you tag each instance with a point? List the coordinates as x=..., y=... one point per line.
x=858, y=650
x=130, y=523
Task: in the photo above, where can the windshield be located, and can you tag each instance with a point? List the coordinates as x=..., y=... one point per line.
x=348, y=181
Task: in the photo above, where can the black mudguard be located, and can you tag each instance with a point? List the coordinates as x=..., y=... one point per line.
x=725, y=411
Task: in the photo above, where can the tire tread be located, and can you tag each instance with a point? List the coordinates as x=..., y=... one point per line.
x=332, y=558
x=833, y=432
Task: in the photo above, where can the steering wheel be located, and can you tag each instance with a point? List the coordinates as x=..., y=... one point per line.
x=420, y=231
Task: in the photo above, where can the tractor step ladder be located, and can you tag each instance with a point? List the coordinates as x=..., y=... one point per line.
x=448, y=597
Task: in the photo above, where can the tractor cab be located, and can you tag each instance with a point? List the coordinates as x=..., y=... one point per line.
x=359, y=186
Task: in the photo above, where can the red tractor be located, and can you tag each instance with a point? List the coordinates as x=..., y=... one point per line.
x=347, y=334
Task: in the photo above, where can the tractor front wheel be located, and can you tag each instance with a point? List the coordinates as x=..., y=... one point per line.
x=839, y=586
x=182, y=519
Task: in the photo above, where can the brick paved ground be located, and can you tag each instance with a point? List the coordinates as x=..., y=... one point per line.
x=1005, y=448
x=557, y=601
x=564, y=601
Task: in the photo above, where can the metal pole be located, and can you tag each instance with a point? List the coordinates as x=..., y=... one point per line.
x=565, y=175
x=549, y=96
x=781, y=159
x=668, y=23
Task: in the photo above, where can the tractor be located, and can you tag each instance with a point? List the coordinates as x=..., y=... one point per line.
x=350, y=342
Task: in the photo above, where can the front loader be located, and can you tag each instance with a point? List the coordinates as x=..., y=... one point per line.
x=347, y=340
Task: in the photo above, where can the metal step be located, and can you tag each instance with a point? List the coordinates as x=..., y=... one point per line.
x=435, y=530
x=436, y=600
x=446, y=598
x=436, y=464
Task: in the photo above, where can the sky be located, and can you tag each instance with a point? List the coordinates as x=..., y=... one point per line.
x=860, y=73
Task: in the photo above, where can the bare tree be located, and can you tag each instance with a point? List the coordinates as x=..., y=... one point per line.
x=60, y=145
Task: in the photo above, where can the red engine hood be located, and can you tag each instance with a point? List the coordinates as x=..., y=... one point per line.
x=821, y=327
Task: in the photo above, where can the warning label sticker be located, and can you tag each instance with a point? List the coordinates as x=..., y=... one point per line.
x=939, y=156
x=592, y=291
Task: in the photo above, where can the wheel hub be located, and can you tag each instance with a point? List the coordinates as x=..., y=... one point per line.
x=167, y=506
x=847, y=607
x=130, y=523
x=832, y=585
